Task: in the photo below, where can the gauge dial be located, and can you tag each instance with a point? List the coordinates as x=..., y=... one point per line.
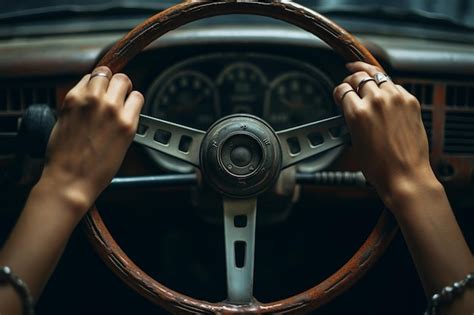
x=242, y=88
x=188, y=98
x=296, y=98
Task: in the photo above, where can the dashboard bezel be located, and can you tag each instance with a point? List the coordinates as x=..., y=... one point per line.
x=169, y=164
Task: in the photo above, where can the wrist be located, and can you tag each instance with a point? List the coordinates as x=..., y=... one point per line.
x=405, y=191
x=74, y=202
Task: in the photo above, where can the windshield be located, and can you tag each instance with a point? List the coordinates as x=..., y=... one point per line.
x=459, y=11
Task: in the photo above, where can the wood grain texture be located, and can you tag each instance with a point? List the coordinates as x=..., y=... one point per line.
x=139, y=38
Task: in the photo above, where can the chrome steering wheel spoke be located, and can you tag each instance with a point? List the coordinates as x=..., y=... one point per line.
x=305, y=141
x=178, y=141
x=239, y=230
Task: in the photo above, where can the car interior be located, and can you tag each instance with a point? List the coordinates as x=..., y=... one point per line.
x=254, y=72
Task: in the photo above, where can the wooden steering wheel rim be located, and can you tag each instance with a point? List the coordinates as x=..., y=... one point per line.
x=111, y=253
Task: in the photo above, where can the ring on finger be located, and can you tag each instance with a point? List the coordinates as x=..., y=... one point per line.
x=381, y=78
x=364, y=82
x=345, y=94
x=100, y=74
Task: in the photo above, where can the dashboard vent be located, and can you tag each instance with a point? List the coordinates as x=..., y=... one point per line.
x=422, y=90
x=16, y=99
x=460, y=96
x=13, y=101
x=459, y=133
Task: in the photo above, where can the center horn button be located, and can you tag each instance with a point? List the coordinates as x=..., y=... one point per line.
x=241, y=156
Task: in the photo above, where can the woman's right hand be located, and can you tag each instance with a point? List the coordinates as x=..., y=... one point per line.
x=95, y=127
x=388, y=136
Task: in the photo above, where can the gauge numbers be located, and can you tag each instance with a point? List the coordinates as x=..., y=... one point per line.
x=188, y=98
x=296, y=98
x=283, y=91
x=242, y=88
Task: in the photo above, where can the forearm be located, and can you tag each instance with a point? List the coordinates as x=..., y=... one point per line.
x=434, y=239
x=38, y=239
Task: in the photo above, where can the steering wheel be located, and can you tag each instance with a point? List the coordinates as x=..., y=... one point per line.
x=240, y=156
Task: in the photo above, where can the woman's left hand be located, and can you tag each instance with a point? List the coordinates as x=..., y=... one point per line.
x=96, y=125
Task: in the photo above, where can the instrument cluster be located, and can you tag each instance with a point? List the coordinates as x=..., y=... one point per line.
x=283, y=91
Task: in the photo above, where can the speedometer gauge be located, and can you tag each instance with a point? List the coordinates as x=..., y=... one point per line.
x=242, y=88
x=187, y=98
x=296, y=99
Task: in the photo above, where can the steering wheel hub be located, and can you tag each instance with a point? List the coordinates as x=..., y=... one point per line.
x=241, y=156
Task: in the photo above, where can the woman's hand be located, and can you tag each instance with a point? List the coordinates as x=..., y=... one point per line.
x=95, y=127
x=388, y=136
x=391, y=146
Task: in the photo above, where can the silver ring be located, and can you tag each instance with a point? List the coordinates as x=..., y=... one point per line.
x=345, y=94
x=100, y=74
x=381, y=78
x=364, y=82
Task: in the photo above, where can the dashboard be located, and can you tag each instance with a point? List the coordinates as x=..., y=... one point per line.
x=284, y=91
x=196, y=76
x=281, y=74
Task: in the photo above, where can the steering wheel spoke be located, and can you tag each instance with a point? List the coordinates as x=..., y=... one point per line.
x=239, y=230
x=302, y=142
x=172, y=139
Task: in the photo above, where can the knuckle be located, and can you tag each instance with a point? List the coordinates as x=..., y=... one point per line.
x=110, y=109
x=356, y=78
x=337, y=90
x=126, y=127
x=397, y=99
x=361, y=75
x=123, y=78
x=350, y=78
x=378, y=98
x=413, y=102
x=92, y=98
x=139, y=96
x=360, y=112
x=71, y=98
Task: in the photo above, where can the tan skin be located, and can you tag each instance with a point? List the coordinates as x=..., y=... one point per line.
x=391, y=147
x=97, y=123
x=95, y=127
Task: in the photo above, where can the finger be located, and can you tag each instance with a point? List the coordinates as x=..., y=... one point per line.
x=347, y=98
x=362, y=83
x=133, y=106
x=82, y=84
x=99, y=80
x=119, y=87
x=372, y=70
x=72, y=98
x=362, y=66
